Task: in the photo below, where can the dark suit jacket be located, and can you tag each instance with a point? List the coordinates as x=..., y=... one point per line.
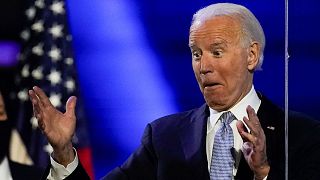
x=173, y=148
x=22, y=172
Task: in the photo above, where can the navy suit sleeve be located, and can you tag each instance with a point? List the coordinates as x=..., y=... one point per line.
x=304, y=148
x=142, y=164
x=78, y=173
x=306, y=161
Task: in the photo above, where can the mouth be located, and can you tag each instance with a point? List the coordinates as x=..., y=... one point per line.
x=210, y=84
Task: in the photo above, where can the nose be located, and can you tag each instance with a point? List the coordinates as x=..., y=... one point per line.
x=205, y=64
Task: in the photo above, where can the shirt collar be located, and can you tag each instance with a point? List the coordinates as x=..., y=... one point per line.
x=238, y=110
x=5, y=169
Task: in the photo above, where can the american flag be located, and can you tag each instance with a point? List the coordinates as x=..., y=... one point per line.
x=46, y=60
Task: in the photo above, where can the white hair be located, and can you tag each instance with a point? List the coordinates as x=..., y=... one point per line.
x=251, y=28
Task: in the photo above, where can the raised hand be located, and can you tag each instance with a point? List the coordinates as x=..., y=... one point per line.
x=3, y=113
x=58, y=127
x=254, y=146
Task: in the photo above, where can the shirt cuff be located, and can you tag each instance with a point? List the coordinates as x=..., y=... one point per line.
x=58, y=171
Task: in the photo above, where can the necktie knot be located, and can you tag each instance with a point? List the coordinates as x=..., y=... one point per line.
x=227, y=117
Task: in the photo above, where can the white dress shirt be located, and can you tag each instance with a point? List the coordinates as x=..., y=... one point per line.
x=59, y=172
x=239, y=111
x=5, y=173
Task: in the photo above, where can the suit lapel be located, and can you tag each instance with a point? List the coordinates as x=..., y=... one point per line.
x=193, y=141
x=271, y=117
x=13, y=169
x=272, y=122
x=20, y=171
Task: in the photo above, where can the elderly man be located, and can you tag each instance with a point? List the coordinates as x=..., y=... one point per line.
x=224, y=138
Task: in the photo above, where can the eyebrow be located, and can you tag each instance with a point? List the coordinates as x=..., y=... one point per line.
x=218, y=44
x=191, y=44
x=222, y=44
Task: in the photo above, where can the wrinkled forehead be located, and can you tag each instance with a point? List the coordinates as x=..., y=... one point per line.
x=223, y=26
x=219, y=19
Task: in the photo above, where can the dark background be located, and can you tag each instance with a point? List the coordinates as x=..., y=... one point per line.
x=134, y=63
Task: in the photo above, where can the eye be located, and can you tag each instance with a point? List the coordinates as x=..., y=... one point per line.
x=217, y=53
x=196, y=54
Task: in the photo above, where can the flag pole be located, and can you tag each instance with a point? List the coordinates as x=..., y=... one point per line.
x=286, y=86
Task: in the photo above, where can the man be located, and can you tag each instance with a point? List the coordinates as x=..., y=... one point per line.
x=224, y=138
x=9, y=169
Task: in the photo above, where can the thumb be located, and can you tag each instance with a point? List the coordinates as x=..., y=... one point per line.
x=71, y=105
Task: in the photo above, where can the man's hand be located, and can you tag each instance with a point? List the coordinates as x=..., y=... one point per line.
x=3, y=113
x=254, y=146
x=57, y=126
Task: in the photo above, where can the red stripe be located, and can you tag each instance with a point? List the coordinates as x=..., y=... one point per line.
x=85, y=157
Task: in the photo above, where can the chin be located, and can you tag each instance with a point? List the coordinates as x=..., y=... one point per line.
x=217, y=105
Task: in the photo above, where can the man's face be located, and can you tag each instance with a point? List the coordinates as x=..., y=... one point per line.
x=222, y=66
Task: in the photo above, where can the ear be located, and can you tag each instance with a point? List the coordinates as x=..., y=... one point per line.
x=254, y=54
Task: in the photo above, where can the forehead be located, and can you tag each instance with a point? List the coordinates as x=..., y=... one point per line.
x=220, y=28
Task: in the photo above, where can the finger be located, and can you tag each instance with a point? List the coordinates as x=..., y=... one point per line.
x=35, y=102
x=252, y=115
x=44, y=100
x=41, y=124
x=32, y=96
x=70, y=106
x=253, y=122
x=35, y=98
x=240, y=127
x=37, y=109
x=36, y=112
x=247, y=137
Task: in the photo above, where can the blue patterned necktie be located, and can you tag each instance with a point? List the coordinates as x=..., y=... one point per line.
x=221, y=167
